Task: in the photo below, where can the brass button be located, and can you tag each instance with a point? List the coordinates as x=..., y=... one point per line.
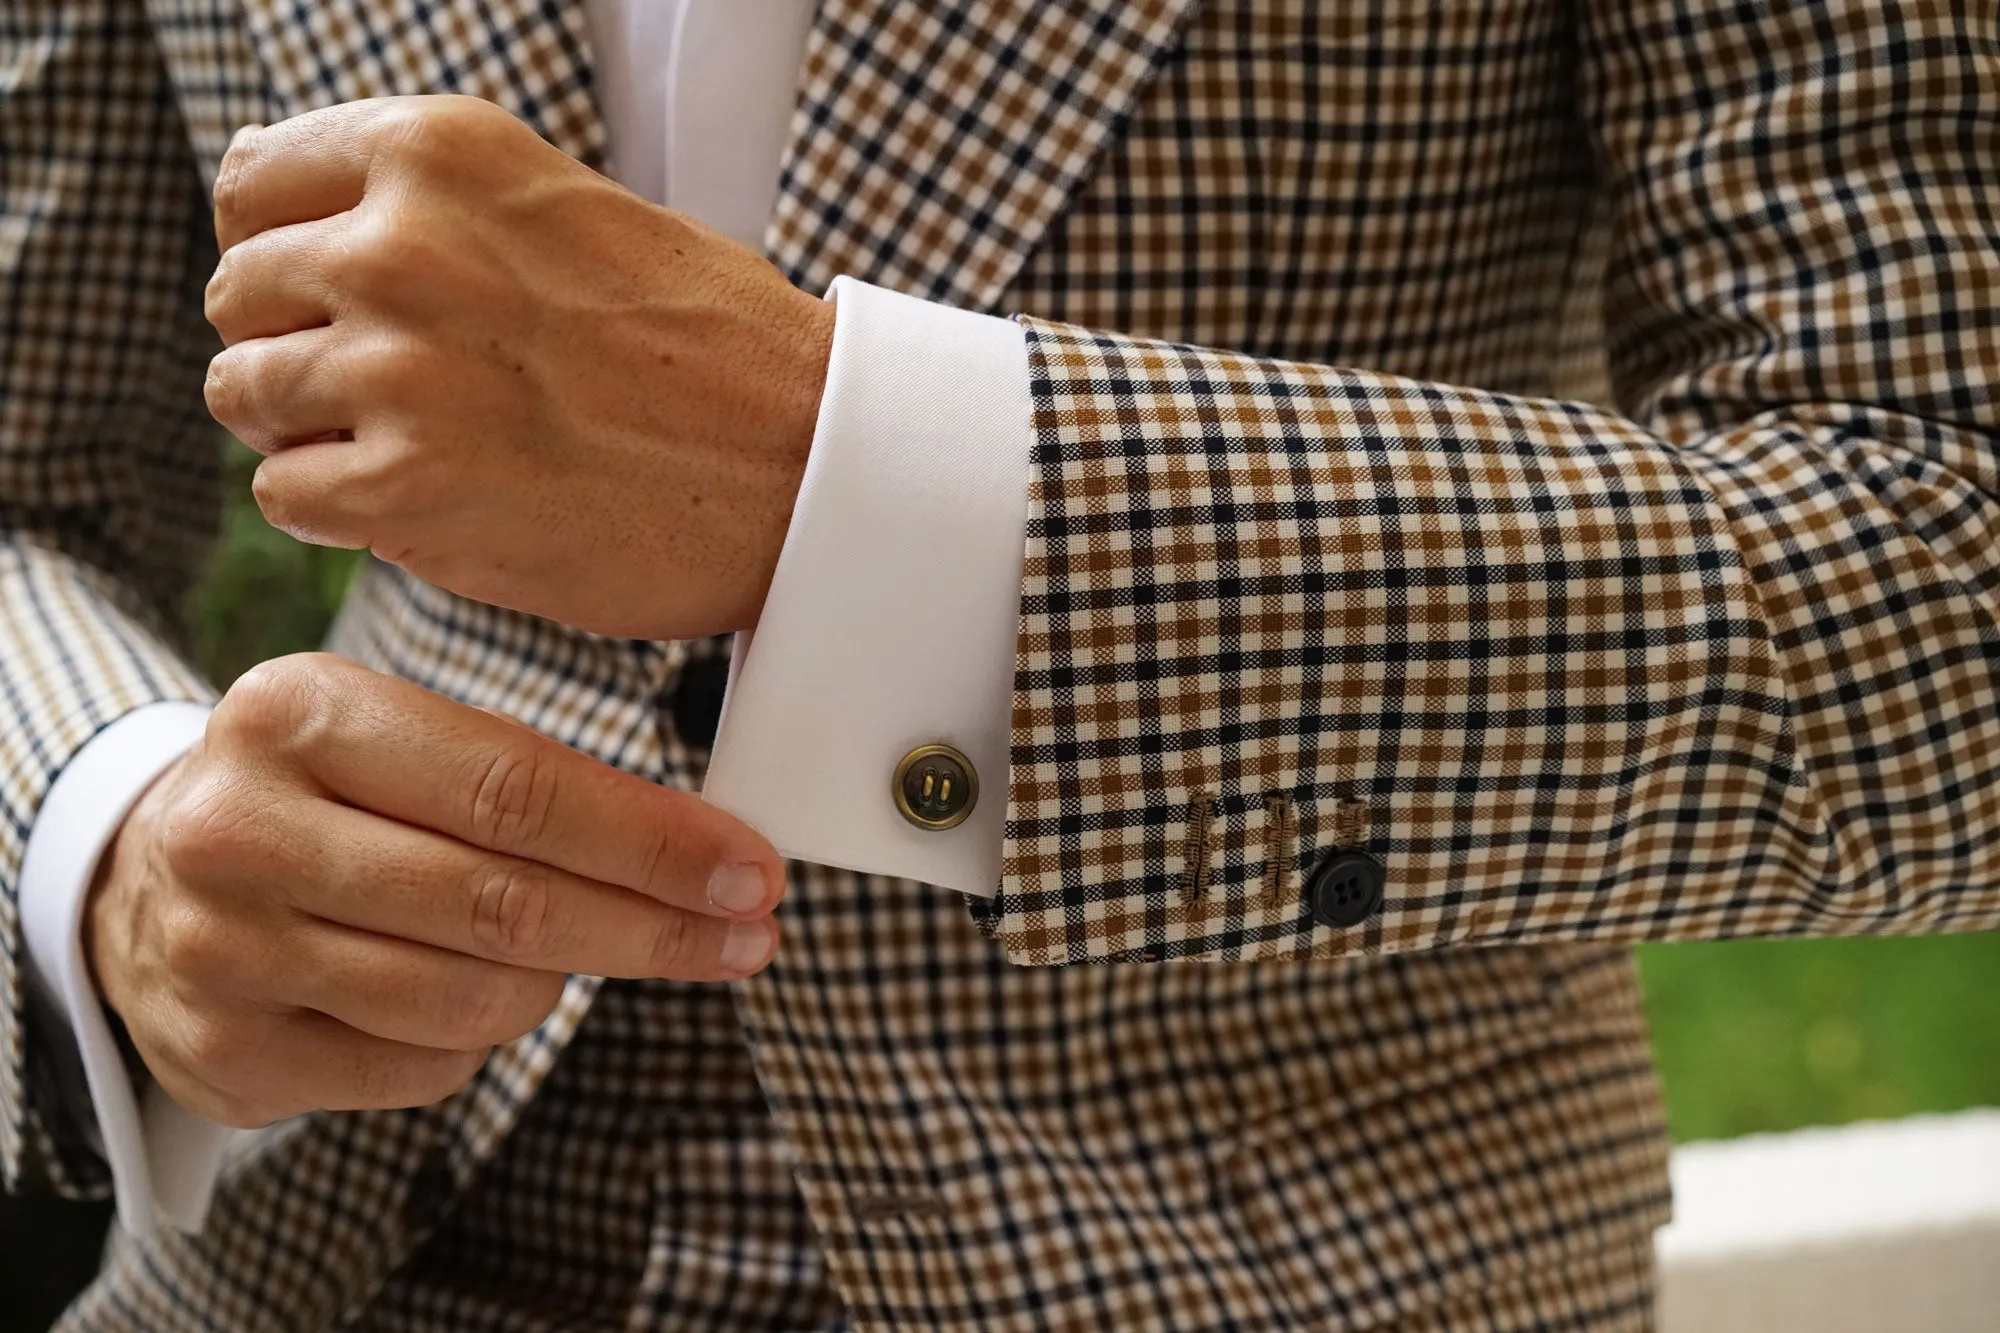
x=935, y=787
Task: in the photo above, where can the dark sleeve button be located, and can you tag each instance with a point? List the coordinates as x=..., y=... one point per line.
x=697, y=702
x=1345, y=890
x=935, y=787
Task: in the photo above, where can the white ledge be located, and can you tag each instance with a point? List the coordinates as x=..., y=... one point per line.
x=1876, y=1226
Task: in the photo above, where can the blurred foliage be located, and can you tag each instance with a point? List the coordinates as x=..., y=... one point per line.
x=266, y=595
x=1752, y=1036
x=1765, y=1035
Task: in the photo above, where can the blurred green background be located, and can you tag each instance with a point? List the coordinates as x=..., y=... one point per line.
x=1752, y=1036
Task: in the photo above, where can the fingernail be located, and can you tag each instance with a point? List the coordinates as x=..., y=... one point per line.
x=746, y=946
x=738, y=888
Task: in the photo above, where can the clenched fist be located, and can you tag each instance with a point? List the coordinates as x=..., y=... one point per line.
x=507, y=373
x=352, y=889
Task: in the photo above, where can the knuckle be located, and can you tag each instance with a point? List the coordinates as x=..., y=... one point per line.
x=388, y=252
x=407, y=124
x=658, y=855
x=275, y=703
x=512, y=913
x=185, y=843
x=439, y=129
x=392, y=372
x=232, y=177
x=228, y=388
x=198, y=949
x=400, y=477
x=672, y=949
x=324, y=506
x=512, y=799
x=217, y=1047
x=367, y=504
x=280, y=502
x=218, y=299
x=207, y=824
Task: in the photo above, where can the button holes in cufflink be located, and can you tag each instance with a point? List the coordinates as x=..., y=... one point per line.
x=935, y=787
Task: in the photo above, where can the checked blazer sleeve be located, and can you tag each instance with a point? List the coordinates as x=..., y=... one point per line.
x=1726, y=664
x=107, y=460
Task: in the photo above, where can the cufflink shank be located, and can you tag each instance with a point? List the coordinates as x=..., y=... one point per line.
x=935, y=787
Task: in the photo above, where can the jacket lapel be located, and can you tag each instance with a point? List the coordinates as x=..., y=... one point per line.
x=217, y=76
x=933, y=143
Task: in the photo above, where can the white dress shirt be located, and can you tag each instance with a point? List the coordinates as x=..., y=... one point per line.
x=891, y=618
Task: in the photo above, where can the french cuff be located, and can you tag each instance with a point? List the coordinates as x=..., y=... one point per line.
x=891, y=622
x=164, y=1160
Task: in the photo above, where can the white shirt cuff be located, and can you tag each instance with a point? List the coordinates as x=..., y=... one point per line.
x=892, y=618
x=164, y=1162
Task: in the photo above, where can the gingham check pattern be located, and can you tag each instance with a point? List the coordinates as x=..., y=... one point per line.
x=1723, y=665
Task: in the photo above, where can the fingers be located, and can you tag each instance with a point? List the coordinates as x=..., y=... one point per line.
x=321, y=1064
x=318, y=164
x=319, y=492
x=413, y=756
x=248, y=1067
x=275, y=282
x=375, y=875
x=272, y=392
x=311, y=166
x=414, y=994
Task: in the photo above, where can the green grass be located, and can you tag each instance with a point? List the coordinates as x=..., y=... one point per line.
x=1762, y=1035
x=1751, y=1036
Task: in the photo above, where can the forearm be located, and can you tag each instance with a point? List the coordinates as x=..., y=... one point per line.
x=1721, y=665
x=1587, y=682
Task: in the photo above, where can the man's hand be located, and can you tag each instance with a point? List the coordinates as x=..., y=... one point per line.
x=505, y=372
x=353, y=888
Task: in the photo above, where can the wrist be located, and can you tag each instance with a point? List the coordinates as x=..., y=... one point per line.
x=807, y=323
x=106, y=921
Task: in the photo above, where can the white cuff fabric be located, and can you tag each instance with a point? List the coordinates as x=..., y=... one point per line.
x=164, y=1162
x=892, y=618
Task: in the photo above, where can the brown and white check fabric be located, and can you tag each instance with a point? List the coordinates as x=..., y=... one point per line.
x=1373, y=572
x=1724, y=666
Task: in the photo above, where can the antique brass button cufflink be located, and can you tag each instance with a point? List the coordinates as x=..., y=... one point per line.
x=935, y=787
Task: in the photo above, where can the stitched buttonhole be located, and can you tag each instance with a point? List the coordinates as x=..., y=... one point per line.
x=1200, y=841
x=1351, y=821
x=1280, y=836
